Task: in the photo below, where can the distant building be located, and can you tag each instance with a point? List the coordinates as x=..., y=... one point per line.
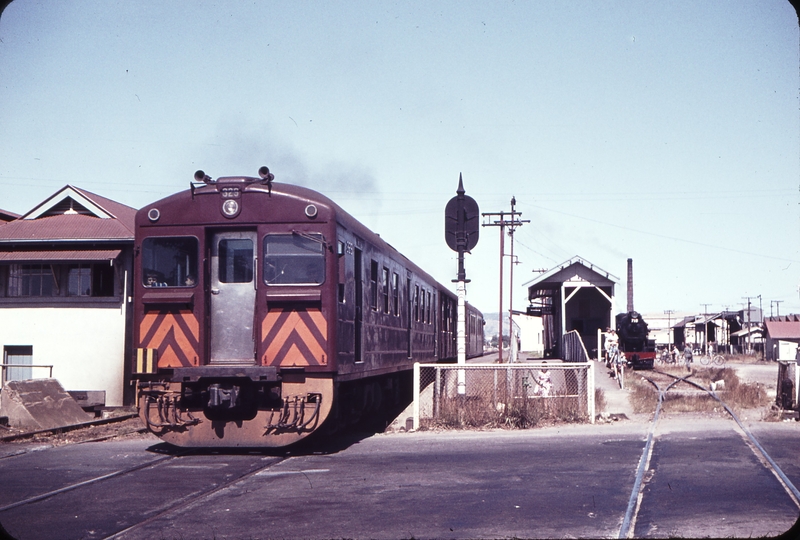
x=728, y=331
x=781, y=337
x=65, y=281
x=575, y=295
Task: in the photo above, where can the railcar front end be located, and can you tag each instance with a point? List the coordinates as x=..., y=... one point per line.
x=235, y=302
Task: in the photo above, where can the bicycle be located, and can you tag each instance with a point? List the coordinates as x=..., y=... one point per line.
x=715, y=359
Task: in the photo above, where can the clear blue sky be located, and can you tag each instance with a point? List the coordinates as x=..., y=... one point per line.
x=667, y=132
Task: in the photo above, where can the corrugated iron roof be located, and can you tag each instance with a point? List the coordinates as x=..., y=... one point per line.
x=787, y=327
x=125, y=214
x=60, y=255
x=5, y=215
x=65, y=228
x=109, y=220
x=546, y=277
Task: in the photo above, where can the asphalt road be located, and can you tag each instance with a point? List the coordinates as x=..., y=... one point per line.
x=569, y=481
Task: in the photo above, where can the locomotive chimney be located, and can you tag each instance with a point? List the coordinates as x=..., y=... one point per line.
x=630, y=285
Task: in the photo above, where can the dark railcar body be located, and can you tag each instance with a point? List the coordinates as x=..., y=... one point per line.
x=633, y=332
x=262, y=309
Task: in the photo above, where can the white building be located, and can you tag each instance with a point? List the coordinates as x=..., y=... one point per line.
x=65, y=281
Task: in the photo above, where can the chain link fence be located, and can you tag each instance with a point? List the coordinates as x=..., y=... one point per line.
x=516, y=395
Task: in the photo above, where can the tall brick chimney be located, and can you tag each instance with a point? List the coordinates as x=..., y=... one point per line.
x=630, y=285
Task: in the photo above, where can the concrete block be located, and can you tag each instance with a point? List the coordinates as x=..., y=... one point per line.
x=39, y=404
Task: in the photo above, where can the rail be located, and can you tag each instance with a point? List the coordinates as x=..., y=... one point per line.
x=628, y=523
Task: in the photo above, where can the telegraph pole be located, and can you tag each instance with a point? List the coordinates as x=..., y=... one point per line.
x=749, y=344
x=705, y=326
x=668, y=313
x=511, y=221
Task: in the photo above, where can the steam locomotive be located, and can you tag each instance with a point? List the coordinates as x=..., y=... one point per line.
x=263, y=312
x=640, y=352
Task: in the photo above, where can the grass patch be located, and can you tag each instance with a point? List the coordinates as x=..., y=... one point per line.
x=517, y=413
x=686, y=398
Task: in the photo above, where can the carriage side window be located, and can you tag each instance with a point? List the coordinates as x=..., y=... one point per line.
x=385, y=289
x=169, y=262
x=340, y=256
x=422, y=305
x=396, y=293
x=428, y=309
x=373, y=285
x=294, y=259
x=416, y=302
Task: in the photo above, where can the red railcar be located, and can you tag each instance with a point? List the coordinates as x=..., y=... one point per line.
x=264, y=311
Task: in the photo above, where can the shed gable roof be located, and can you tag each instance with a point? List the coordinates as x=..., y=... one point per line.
x=574, y=270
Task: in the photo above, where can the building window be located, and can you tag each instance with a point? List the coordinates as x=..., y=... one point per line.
x=58, y=280
x=19, y=357
x=32, y=280
x=79, y=280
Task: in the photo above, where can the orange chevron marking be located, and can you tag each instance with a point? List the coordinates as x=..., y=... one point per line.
x=191, y=321
x=168, y=359
x=293, y=327
x=293, y=357
x=147, y=322
x=169, y=325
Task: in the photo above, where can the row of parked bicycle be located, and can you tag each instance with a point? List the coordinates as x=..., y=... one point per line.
x=665, y=357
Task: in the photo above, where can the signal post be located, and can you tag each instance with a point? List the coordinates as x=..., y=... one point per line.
x=461, y=227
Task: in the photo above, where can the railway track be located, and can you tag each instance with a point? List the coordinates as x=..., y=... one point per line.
x=202, y=476
x=644, y=473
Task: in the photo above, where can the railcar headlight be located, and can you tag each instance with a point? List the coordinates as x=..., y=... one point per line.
x=311, y=211
x=153, y=214
x=230, y=208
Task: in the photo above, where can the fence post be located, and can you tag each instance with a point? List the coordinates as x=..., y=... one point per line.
x=437, y=392
x=599, y=347
x=415, y=408
x=590, y=390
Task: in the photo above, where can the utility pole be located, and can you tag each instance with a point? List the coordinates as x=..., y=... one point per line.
x=705, y=327
x=749, y=344
x=777, y=307
x=511, y=221
x=668, y=313
x=511, y=262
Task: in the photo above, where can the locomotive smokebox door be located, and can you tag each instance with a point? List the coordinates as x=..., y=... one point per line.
x=233, y=297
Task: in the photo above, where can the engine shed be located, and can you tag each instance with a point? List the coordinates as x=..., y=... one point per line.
x=575, y=295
